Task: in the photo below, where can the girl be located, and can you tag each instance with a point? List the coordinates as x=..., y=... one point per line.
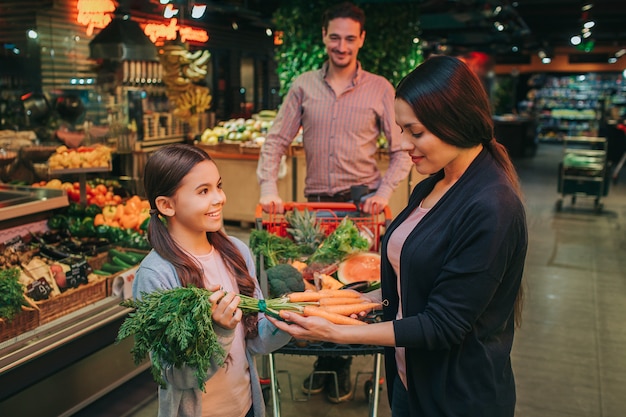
x=184, y=188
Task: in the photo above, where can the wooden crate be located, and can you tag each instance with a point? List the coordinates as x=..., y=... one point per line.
x=72, y=299
x=27, y=319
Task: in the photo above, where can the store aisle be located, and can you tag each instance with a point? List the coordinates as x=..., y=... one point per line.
x=568, y=356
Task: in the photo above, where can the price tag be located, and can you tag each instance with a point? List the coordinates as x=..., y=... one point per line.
x=39, y=289
x=77, y=275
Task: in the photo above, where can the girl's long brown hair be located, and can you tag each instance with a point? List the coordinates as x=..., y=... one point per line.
x=163, y=174
x=451, y=102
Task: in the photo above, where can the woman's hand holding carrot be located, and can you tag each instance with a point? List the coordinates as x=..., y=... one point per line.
x=306, y=328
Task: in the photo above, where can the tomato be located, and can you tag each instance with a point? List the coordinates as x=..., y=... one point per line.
x=102, y=189
x=99, y=200
x=73, y=195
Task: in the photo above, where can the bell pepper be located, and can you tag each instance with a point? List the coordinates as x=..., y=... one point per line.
x=92, y=209
x=108, y=212
x=57, y=222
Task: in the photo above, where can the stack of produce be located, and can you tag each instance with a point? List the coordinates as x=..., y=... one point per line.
x=341, y=258
x=97, y=156
x=122, y=224
x=250, y=132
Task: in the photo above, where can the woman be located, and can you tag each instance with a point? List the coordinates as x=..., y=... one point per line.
x=452, y=260
x=184, y=188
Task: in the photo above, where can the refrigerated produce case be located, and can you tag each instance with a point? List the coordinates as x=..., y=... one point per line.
x=59, y=366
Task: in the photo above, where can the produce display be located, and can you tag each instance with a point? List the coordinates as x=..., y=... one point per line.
x=97, y=156
x=121, y=224
x=44, y=276
x=99, y=191
x=241, y=131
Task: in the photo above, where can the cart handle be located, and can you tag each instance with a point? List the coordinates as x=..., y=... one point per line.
x=319, y=206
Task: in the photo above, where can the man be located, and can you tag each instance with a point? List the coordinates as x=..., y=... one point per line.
x=342, y=110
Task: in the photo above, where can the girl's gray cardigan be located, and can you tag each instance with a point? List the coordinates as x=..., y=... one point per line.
x=181, y=396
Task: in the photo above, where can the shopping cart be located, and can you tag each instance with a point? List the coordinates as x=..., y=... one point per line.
x=328, y=216
x=583, y=171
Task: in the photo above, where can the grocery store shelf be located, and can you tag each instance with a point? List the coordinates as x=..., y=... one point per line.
x=19, y=201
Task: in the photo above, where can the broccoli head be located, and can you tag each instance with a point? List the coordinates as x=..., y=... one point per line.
x=283, y=279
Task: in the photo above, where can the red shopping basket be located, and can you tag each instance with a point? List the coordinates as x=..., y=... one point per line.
x=328, y=216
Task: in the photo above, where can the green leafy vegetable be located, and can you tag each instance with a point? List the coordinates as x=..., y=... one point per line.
x=344, y=240
x=176, y=328
x=11, y=293
x=275, y=249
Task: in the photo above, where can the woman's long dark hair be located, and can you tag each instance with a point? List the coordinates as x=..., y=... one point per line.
x=163, y=174
x=449, y=99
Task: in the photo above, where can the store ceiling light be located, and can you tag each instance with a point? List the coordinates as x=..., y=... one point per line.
x=586, y=6
x=169, y=11
x=197, y=11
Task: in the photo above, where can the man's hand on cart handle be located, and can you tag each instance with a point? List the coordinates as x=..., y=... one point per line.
x=272, y=204
x=375, y=204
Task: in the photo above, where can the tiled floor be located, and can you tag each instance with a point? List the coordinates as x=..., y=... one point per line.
x=569, y=356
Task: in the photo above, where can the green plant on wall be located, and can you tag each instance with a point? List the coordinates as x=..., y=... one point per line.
x=389, y=48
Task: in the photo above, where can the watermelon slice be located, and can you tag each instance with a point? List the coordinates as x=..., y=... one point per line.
x=361, y=266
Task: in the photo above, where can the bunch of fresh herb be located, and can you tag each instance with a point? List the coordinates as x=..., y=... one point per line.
x=273, y=248
x=345, y=239
x=11, y=293
x=175, y=327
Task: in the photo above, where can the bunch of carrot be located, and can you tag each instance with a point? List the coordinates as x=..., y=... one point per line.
x=336, y=306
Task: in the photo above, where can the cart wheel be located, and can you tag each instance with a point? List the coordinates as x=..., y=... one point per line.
x=368, y=388
x=559, y=204
x=598, y=207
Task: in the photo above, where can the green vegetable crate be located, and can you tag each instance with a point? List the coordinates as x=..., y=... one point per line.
x=115, y=262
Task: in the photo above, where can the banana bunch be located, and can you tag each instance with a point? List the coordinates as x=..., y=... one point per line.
x=195, y=67
x=182, y=69
x=194, y=101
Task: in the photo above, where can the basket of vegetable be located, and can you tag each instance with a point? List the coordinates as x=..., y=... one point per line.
x=321, y=240
x=17, y=314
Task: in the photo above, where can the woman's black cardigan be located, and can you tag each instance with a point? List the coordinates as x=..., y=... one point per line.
x=461, y=268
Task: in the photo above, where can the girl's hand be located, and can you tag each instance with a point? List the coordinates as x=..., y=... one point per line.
x=226, y=313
